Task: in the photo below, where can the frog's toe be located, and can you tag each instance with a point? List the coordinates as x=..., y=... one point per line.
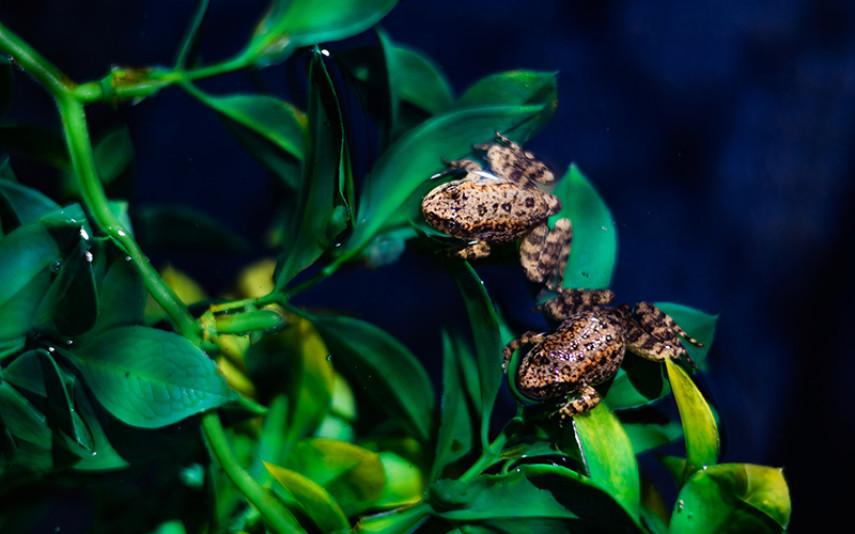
x=585, y=402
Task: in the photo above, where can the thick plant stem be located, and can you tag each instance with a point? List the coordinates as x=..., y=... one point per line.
x=275, y=515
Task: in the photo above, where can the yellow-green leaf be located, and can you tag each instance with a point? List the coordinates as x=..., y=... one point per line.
x=699, y=427
x=315, y=501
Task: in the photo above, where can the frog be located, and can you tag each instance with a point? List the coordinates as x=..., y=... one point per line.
x=503, y=204
x=588, y=347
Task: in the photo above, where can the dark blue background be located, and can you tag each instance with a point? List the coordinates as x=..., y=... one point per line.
x=720, y=133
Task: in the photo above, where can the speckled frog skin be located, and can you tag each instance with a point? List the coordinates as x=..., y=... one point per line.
x=588, y=347
x=501, y=206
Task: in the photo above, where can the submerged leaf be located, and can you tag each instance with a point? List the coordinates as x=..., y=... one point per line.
x=699, y=427
x=315, y=501
x=149, y=378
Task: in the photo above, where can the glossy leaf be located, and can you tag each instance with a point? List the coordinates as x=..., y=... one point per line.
x=521, y=87
x=594, y=247
x=420, y=81
x=28, y=256
x=70, y=305
x=412, y=159
x=460, y=406
x=385, y=369
x=185, y=228
x=28, y=428
x=24, y=204
x=149, y=378
x=506, y=496
x=699, y=427
x=315, y=501
x=296, y=23
x=733, y=498
x=103, y=456
x=353, y=476
x=318, y=221
x=405, y=482
x=608, y=456
x=585, y=499
x=646, y=436
x=484, y=325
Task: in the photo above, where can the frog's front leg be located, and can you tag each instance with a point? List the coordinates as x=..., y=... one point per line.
x=544, y=253
x=475, y=250
x=584, y=401
x=529, y=338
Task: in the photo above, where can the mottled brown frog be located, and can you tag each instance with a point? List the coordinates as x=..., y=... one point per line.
x=501, y=206
x=588, y=347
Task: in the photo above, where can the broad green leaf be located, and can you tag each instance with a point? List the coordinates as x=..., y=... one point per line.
x=459, y=409
x=315, y=501
x=585, y=499
x=353, y=476
x=646, y=436
x=28, y=428
x=121, y=294
x=37, y=143
x=149, y=378
x=254, y=118
x=405, y=483
x=28, y=259
x=323, y=197
x=291, y=24
x=185, y=228
x=412, y=159
x=699, y=427
x=420, y=81
x=733, y=498
x=484, y=325
x=103, y=456
x=505, y=496
x=594, y=247
x=24, y=204
x=519, y=87
x=386, y=371
x=608, y=456
x=70, y=305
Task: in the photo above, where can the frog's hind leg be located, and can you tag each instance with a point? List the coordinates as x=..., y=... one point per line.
x=654, y=335
x=510, y=160
x=544, y=253
x=586, y=401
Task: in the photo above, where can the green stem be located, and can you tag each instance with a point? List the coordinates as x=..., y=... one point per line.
x=488, y=457
x=276, y=516
x=34, y=63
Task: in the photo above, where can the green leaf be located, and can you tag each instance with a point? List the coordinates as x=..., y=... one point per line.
x=506, y=496
x=420, y=81
x=70, y=305
x=24, y=204
x=185, y=228
x=405, y=482
x=460, y=406
x=315, y=501
x=264, y=124
x=326, y=181
x=585, y=499
x=149, y=378
x=699, y=428
x=121, y=293
x=646, y=436
x=353, y=476
x=484, y=325
x=28, y=258
x=386, y=370
x=519, y=87
x=410, y=162
x=733, y=498
x=608, y=456
x=594, y=248
x=36, y=143
x=28, y=428
x=291, y=24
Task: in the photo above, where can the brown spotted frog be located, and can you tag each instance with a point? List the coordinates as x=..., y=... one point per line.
x=588, y=347
x=503, y=205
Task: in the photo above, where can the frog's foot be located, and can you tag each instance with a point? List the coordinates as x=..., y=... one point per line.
x=470, y=166
x=544, y=253
x=473, y=251
x=510, y=160
x=586, y=401
x=572, y=301
x=654, y=335
x=529, y=338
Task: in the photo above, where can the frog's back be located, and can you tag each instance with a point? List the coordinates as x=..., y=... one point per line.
x=492, y=211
